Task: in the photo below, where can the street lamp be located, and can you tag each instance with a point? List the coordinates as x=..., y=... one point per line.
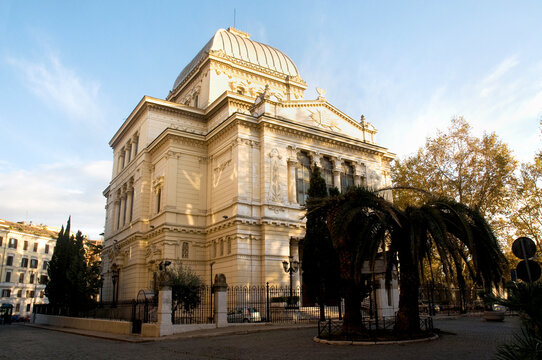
x=212, y=292
x=290, y=268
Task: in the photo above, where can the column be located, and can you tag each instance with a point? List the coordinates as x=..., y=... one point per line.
x=359, y=172
x=221, y=302
x=315, y=157
x=164, y=311
x=122, y=212
x=117, y=213
x=292, y=163
x=129, y=193
x=337, y=167
x=128, y=152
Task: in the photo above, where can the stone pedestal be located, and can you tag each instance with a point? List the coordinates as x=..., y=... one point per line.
x=221, y=301
x=164, y=311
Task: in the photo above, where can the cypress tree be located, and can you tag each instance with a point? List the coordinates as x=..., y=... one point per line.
x=72, y=281
x=320, y=263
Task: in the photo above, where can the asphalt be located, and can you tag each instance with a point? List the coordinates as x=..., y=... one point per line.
x=463, y=338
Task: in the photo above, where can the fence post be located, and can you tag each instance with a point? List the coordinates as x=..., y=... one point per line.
x=221, y=301
x=267, y=304
x=164, y=311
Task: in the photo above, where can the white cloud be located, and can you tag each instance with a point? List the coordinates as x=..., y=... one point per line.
x=61, y=88
x=507, y=101
x=502, y=69
x=52, y=192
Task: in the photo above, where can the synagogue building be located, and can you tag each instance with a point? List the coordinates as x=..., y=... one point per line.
x=216, y=174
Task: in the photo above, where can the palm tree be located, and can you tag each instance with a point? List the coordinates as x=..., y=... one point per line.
x=363, y=224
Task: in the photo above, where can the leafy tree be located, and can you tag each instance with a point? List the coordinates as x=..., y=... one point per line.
x=455, y=164
x=476, y=171
x=73, y=282
x=362, y=224
x=320, y=264
x=185, y=288
x=527, y=214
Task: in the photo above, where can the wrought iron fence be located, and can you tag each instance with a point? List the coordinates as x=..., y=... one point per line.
x=371, y=328
x=201, y=314
x=271, y=303
x=438, y=298
x=142, y=311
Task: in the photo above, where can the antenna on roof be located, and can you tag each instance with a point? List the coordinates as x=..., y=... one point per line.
x=234, y=17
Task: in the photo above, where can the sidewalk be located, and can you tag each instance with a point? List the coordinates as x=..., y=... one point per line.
x=238, y=329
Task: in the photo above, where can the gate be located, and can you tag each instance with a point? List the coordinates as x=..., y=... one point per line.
x=144, y=310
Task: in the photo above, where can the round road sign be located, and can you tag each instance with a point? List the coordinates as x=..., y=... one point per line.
x=524, y=248
x=528, y=266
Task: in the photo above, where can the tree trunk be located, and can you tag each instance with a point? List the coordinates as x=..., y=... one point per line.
x=408, y=316
x=352, y=322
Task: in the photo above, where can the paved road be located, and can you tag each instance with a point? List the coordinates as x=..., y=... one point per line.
x=464, y=339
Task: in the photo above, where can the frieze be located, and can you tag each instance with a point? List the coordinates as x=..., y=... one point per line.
x=169, y=109
x=296, y=79
x=309, y=138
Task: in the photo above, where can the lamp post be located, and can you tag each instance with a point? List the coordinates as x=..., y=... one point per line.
x=290, y=267
x=212, y=291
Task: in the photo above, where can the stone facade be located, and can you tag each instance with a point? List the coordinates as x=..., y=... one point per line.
x=215, y=175
x=25, y=251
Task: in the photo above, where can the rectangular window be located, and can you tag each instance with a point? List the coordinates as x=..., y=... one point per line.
x=45, y=263
x=347, y=178
x=19, y=293
x=8, y=276
x=25, y=245
x=47, y=249
x=185, y=250
x=17, y=307
x=35, y=247
x=34, y=263
x=42, y=294
x=21, y=278
x=1, y=240
x=31, y=278
x=44, y=280
x=27, y=307
x=158, y=199
x=6, y=293
x=9, y=261
x=24, y=262
x=32, y=293
x=12, y=243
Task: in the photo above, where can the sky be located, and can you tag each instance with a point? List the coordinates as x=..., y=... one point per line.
x=72, y=71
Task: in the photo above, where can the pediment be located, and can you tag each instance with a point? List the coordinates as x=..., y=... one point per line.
x=322, y=115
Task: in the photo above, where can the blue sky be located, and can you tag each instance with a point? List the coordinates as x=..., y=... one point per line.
x=72, y=71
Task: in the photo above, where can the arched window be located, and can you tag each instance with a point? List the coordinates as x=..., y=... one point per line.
x=302, y=177
x=347, y=177
x=327, y=172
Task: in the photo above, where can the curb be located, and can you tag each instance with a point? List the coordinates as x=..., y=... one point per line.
x=366, y=343
x=234, y=330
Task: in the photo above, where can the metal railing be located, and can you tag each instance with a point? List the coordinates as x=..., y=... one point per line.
x=273, y=303
x=368, y=330
x=201, y=314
